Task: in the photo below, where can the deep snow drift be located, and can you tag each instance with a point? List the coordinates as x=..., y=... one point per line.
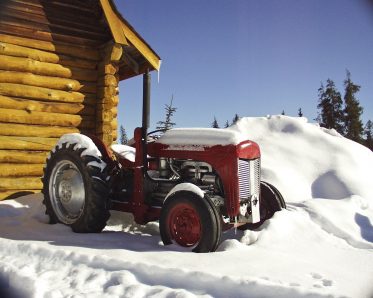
x=322, y=245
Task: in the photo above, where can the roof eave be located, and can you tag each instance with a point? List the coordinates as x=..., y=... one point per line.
x=123, y=33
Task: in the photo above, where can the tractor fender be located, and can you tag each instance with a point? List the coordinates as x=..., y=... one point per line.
x=186, y=187
x=93, y=147
x=83, y=141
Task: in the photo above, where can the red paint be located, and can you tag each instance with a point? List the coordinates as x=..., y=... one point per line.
x=223, y=158
x=184, y=225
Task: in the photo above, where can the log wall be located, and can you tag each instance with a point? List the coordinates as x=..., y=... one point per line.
x=58, y=74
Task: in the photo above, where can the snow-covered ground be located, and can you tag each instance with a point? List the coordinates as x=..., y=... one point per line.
x=321, y=246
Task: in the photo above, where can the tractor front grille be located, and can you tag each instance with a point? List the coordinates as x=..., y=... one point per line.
x=248, y=178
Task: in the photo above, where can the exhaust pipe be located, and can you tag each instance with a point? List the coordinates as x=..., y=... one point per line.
x=145, y=118
x=146, y=103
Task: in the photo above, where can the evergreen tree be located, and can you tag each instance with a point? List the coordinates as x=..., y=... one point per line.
x=283, y=113
x=300, y=113
x=215, y=123
x=330, y=106
x=368, y=132
x=235, y=119
x=167, y=123
x=226, y=124
x=352, y=112
x=123, y=136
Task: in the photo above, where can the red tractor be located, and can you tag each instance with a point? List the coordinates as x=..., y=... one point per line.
x=196, y=182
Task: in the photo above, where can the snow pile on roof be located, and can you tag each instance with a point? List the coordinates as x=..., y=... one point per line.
x=322, y=245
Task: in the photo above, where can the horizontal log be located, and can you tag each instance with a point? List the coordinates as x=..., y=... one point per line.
x=45, y=68
x=7, y=184
x=47, y=82
x=102, y=136
x=107, y=68
x=39, y=15
x=107, y=127
x=114, y=124
x=21, y=170
x=108, y=80
x=16, y=193
x=109, y=102
x=106, y=115
x=27, y=143
x=15, y=27
x=18, y=156
x=39, y=81
x=44, y=118
x=112, y=52
x=43, y=23
x=107, y=139
x=22, y=130
x=44, y=56
x=28, y=105
x=41, y=93
x=107, y=92
x=57, y=47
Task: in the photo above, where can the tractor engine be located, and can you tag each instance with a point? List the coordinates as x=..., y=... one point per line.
x=183, y=170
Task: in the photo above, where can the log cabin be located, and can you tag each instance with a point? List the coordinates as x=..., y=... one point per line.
x=60, y=65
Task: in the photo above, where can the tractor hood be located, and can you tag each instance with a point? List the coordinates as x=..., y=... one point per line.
x=192, y=142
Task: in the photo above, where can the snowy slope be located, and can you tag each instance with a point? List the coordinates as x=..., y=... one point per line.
x=321, y=246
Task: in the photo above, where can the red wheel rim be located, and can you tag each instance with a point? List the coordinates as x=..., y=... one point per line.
x=184, y=225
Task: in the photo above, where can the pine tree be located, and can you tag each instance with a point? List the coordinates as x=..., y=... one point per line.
x=226, y=124
x=353, y=110
x=215, y=123
x=300, y=113
x=330, y=106
x=167, y=123
x=368, y=132
x=235, y=118
x=123, y=136
x=283, y=113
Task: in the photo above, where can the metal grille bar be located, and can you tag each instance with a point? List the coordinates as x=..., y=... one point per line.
x=248, y=178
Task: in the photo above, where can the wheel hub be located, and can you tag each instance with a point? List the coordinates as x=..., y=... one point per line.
x=185, y=225
x=67, y=191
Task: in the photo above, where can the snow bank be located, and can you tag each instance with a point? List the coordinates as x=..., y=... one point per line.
x=305, y=161
x=321, y=246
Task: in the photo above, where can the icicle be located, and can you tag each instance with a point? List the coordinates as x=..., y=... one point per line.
x=159, y=70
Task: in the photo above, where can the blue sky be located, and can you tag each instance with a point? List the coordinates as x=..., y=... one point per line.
x=248, y=57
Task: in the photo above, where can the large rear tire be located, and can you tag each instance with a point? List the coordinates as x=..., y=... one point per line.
x=271, y=201
x=190, y=221
x=75, y=189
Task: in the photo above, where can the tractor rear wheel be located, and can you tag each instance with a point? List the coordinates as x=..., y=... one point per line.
x=75, y=189
x=271, y=201
x=190, y=221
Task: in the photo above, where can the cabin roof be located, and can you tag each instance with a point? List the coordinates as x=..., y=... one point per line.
x=134, y=45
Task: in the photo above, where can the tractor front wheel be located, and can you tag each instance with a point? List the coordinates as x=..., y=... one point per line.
x=190, y=221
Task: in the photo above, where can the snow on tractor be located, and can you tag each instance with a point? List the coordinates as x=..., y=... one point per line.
x=196, y=182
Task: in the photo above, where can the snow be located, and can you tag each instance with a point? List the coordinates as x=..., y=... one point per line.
x=200, y=137
x=82, y=141
x=125, y=151
x=321, y=246
x=186, y=187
